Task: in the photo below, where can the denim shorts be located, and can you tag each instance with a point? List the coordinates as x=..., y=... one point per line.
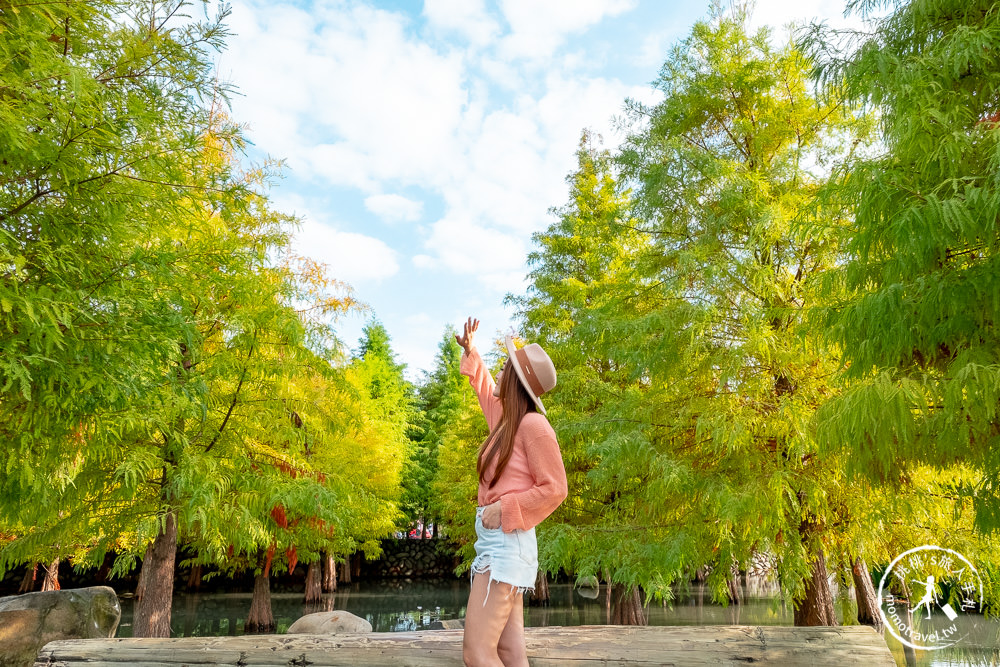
x=510, y=558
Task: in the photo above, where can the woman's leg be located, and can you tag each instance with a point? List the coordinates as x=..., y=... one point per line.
x=485, y=623
x=511, y=647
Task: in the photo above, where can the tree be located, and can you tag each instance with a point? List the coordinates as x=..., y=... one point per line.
x=159, y=385
x=455, y=484
x=674, y=286
x=87, y=171
x=389, y=397
x=441, y=397
x=583, y=261
x=917, y=315
x=102, y=115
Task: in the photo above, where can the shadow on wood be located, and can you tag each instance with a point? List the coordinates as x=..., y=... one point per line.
x=547, y=647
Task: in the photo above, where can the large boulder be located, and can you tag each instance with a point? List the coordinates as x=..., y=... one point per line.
x=28, y=622
x=329, y=623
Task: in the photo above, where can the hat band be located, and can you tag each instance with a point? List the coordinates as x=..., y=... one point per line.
x=529, y=373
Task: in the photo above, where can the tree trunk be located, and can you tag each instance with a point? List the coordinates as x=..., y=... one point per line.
x=329, y=574
x=816, y=608
x=314, y=584
x=864, y=592
x=28, y=583
x=51, y=581
x=194, y=578
x=541, y=595
x=735, y=588
x=155, y=591
x=626, y=606
x=261, y=619
x=607, y=598
x=345, y=570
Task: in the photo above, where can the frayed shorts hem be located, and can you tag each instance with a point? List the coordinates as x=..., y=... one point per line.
x=483, y=567
x=507, y=558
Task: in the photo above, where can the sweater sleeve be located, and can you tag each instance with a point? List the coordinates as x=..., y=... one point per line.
x=526, y=509
x=473, y=366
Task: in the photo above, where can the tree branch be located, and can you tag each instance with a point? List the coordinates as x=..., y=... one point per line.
x=236, y=394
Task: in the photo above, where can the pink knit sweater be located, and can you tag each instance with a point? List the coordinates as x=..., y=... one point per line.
x=534, y=482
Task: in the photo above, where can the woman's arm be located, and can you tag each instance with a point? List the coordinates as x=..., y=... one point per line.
x=474, y=367
x=482, y=382
x=526, y=509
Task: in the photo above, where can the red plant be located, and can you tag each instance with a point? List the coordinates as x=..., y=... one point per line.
x=278, y=514
x=270, y=557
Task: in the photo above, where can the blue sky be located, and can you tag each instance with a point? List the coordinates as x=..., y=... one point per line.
x=425, y=141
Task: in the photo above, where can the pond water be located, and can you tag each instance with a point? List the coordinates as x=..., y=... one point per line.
x=392, y=606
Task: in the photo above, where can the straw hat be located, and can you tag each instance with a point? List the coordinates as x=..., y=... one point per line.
x=533, y=368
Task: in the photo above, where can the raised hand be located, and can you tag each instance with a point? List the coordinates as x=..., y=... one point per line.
x=469, y=332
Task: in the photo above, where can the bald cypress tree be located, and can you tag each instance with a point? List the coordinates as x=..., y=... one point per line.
x=917, y=318
x=919, y=324
x=158, y=384
x=672, y=292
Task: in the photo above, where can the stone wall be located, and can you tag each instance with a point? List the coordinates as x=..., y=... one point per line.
x=412, y=558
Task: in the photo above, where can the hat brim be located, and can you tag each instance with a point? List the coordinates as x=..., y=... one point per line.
x=511, y=349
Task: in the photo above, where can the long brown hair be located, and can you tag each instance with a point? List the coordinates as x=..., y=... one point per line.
x=515, y=402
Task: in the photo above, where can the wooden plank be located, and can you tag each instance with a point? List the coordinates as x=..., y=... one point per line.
x=547, y=647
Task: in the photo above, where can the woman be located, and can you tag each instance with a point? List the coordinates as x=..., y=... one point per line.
x=521, y=481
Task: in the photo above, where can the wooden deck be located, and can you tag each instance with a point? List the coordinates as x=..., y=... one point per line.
x=547, y=647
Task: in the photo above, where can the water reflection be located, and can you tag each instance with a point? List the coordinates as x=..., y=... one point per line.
x=388, y=606
x=415, y=605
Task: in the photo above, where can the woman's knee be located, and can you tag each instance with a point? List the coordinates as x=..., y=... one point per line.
x=475, y=656
x=511, y=648
x=512, y=655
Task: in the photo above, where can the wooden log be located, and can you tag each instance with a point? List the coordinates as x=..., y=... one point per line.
x=547, y=647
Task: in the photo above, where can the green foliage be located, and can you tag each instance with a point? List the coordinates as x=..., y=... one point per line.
x=87, y=171
x=700, y=293
x=917, y=320
x=670, y=294
x=440, y=399
x=155, y=360
x=455, y=485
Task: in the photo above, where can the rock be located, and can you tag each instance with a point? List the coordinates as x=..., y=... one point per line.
x=588, y=587
x=328, y=623
x=447, y=624
x=29, y=621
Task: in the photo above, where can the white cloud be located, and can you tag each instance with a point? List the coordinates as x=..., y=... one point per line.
x=654, y=49
x=502, y=73
x=338, y=164
x=425, y=262
x=353, y=258
x=346, y=94
x=470, y=248
x=539, y=28
x=779, y=14
x=359, y=99
x=375, y=109
x=394, y=208
x=422, y=335
x=466, y=17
